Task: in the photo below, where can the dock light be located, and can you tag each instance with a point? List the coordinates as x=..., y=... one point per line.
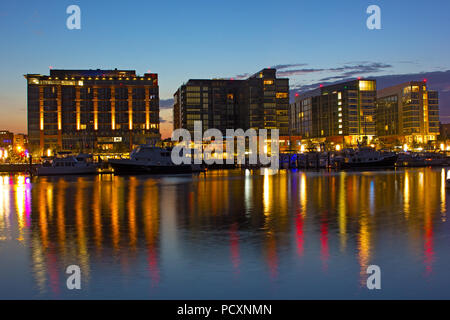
x=5, y=154
x=405, y=147
x=302, y=148
x=19, y=149
x=1, y=154
x=49, y=153
x=338, y=147
x=442, y=147
x=448, y=148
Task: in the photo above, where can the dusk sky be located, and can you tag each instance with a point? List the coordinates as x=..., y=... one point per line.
x=309, y=41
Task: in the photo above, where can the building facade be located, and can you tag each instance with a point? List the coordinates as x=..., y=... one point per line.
x=20, y=139
x=6, y=139
x=259, y=102
x=408, y=113
x=343, y=113
x=92, y=109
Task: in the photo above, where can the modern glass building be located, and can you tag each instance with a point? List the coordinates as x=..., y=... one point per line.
x=408, y=113
x=92, y=109
x=259, y=102
x=343, y=113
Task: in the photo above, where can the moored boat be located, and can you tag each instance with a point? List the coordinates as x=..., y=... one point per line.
x=68, y=165
x=151, y=160
x=369, y=158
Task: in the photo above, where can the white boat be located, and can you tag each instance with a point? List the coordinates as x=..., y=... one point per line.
x=151, y=160
x=68, y=165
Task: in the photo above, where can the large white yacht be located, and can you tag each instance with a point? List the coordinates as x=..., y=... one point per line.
x=151, y=160
x=68, y=165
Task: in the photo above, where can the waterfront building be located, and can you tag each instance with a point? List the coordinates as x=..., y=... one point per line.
x=20, y=140
x=259, y=102
x=6, y=138
x=341, y=114
x=408, y=113
x=92, y=109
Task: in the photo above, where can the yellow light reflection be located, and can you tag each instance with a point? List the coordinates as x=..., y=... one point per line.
x=115, y=228
x=406, y=197
x=60, y=218
x=303, y=193
x=342, y=210
x=364, y=247
x=43, y=225
x=96, y=207
x=19, y=189
x=80, y=200
x=132, y=212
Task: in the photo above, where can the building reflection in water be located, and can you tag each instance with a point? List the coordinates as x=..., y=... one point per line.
x=116, y=221
x=83, y=221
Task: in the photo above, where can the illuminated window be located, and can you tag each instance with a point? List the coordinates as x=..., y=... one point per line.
x=268, y=82
x=281, y=95
x=192, y=89
x=367, y=85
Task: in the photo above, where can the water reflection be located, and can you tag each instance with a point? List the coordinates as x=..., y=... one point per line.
x=222, y=225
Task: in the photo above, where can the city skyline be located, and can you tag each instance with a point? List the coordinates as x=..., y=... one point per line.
x=283, y=36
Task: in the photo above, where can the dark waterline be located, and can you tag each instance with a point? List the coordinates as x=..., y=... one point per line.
x=226, y=235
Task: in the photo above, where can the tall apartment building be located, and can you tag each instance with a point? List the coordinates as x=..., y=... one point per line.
x=94, y=109
x=408, y=113
x=341, y=113
x=259, y=102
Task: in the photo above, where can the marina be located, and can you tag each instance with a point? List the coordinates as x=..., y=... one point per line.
x=156, y=160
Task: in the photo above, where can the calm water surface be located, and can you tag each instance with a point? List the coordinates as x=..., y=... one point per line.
x=227, y=235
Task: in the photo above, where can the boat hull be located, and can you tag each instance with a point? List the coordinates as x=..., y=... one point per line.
x=122, y=167
x=61, y=171
x=388, y=162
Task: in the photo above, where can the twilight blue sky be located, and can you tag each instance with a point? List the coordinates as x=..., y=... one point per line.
x=314, y=40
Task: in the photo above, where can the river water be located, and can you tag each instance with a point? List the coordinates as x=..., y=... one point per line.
x=227, y=234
